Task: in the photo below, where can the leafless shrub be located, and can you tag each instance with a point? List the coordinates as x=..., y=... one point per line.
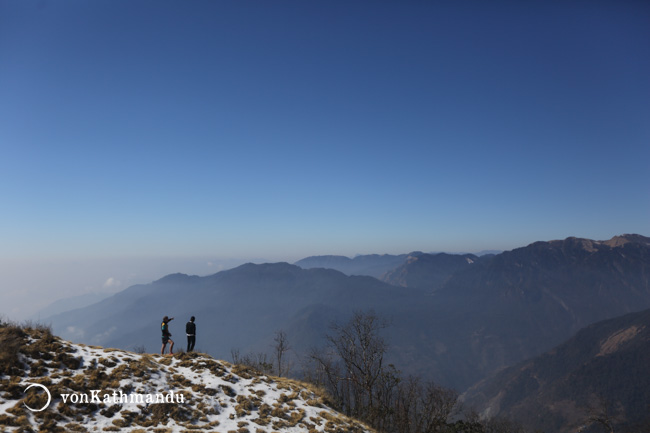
x=281, y=347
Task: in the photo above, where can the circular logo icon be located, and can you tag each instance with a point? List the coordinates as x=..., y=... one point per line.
x=49, y=397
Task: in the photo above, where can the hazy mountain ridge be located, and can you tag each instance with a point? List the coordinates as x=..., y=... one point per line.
x=604, y=367
x=512, y=306
x=486, y=315
x=237, y=308
x=525, y=301
x=189, y=392
x=374, y=265
x=579, y=276
x=428, y=271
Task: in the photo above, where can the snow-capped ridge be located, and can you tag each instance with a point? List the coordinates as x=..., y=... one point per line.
x=96, y=389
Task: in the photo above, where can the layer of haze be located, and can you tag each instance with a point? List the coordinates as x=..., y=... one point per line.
x=141, y=138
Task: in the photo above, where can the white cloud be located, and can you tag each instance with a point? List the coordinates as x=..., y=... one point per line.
x=112, y=282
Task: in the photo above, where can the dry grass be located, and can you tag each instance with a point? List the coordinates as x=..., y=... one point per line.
x=313, y=395
x=12, y=338
x=34, y=353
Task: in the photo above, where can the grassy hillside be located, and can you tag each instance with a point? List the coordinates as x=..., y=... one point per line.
x=98, y=389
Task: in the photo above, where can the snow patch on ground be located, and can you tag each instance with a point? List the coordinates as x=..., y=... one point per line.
x=216, y=396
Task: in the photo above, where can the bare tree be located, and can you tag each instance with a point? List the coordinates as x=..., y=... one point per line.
x=324, y=371
x=600, y=413
x=280, y=348
x=361, y=350
x=406, y=406
x=353, y=368
x=423, y=408
x=235, y=355
x=353, y=371
x=258, y=361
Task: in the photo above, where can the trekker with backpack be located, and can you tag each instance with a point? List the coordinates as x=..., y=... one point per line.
x=190, y=330
x=164, y=327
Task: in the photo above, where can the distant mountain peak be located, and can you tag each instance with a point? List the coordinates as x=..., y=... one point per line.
x=265, y=267
x=373, y=265
x=175, y=278
x=428, y=271
x=593, y=245
x=618, y=241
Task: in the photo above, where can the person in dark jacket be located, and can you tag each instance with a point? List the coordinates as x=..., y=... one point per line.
x=164, y=327
x=190, y=330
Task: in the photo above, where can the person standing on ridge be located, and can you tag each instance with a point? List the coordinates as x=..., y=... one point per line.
x=164, y=327
x=190, y=330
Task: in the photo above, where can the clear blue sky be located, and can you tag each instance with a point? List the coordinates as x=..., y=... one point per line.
x=281, y=129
